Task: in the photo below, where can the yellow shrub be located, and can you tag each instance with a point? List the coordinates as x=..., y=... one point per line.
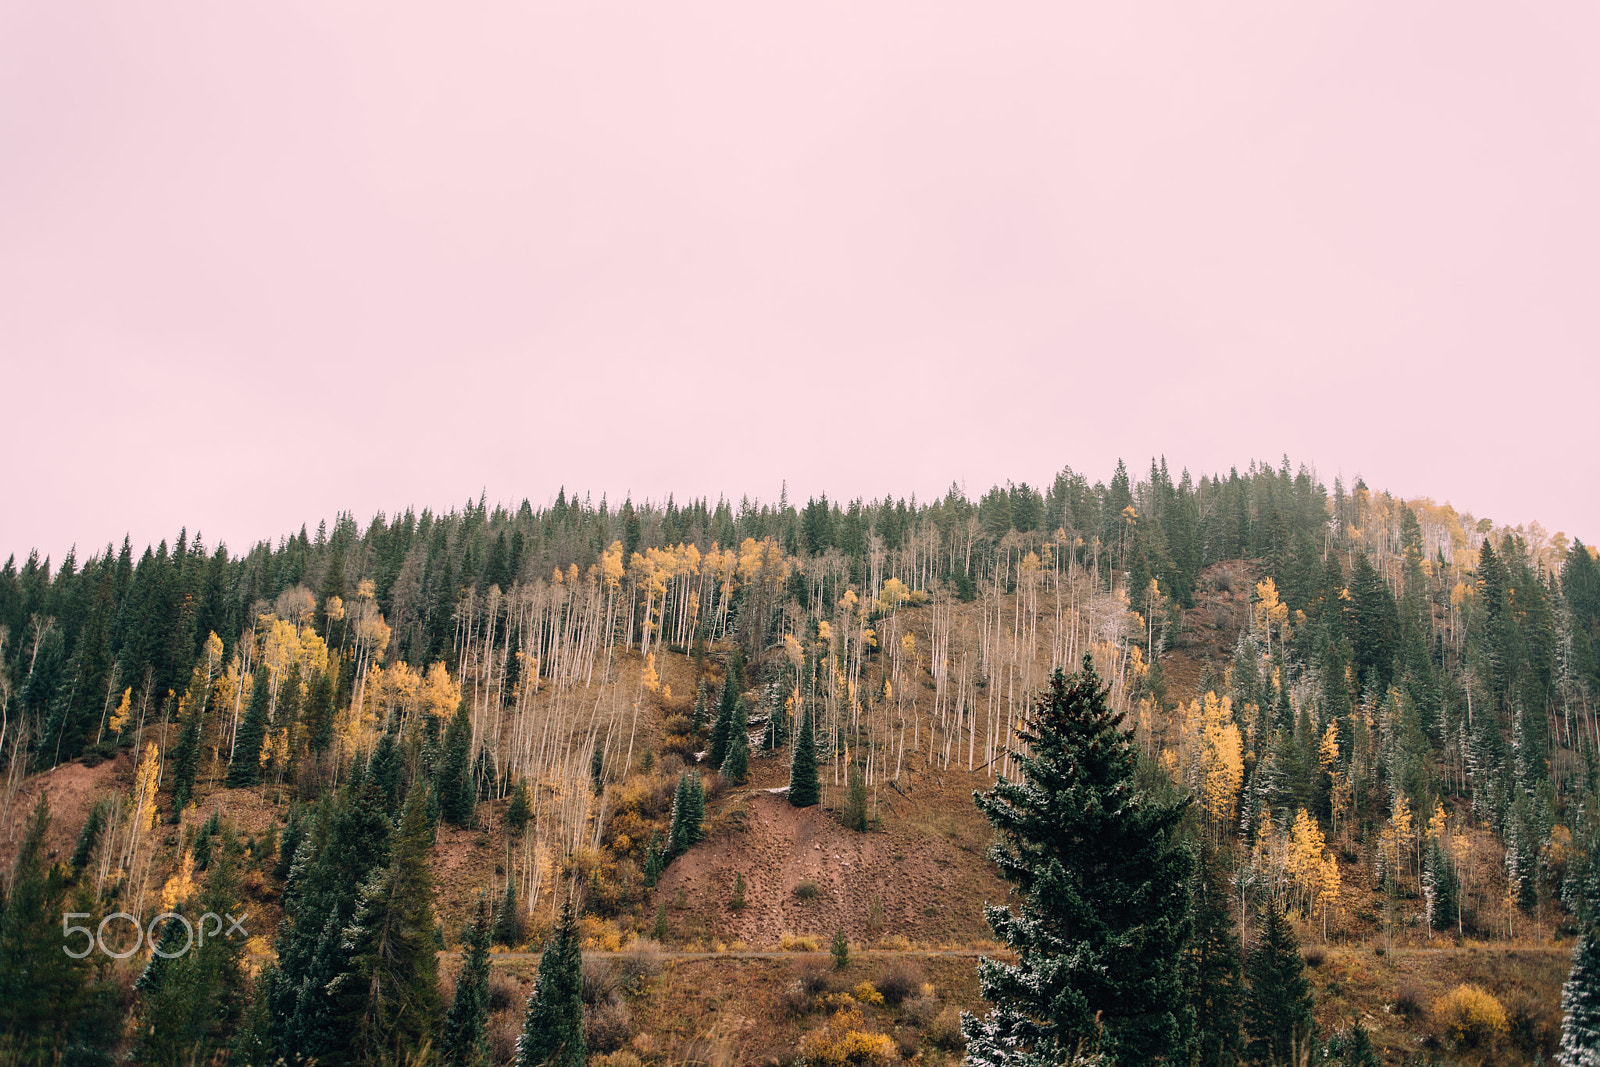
x=795, y=943
x=599, y=934
x=1470, y=1015
x=846, y=1041
x=867, y=993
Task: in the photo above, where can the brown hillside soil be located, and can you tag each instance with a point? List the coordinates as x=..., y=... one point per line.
x=922, y=876
x=72, y=790
x=1211, y=628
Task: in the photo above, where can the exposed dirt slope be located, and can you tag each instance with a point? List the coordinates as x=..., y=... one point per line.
x=922, y=875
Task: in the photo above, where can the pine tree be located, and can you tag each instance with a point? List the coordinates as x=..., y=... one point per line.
x=41, y=986
x=465, y=1041
x=804, y=788
x=386, y=768
x=1278, y=1009
x=391, y=995
x=653, y=862
x=1358, y=1050
x=1216, y=968
x=1580, y=996
x=735, y=765
x=456, y=794
x=185, y=763
x=722, y=729
x=194, y=998
x=520, y=810
x=552, y=1029
x=245, y=770
x=855, y=800
x=688, y=815
x=508, y=925
x=1104, y=882
x=89, y=836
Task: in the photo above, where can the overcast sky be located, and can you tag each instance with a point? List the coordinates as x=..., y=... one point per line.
x=261, y=262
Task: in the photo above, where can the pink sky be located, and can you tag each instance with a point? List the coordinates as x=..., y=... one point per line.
x=262, y=262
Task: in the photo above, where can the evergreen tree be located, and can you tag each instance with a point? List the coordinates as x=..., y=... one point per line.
x=508, y=925
x=735, y=765
x=390, y=995
x=520, y=811
x=653, y=860
x=1216, y=968
x=185, y=763
x=1104, y=882
x=1358, y=1050
x=1580, y=996
x=688, y=814
x=465, y=1041
x=722, y=729
x=193, y=999
x=245, y=770
x=1278, y=1009
x=387, y=771
x=552, y=1029
x=804, y=788
x=454, y=783
x=89, y=836
x=41, y=986
x=855, y=800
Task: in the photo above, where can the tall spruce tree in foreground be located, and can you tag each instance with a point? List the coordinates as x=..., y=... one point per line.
x=391, y=993
x=552, y=1030
x=1580, y=996
x=1278, y=1010
x=804, y=788
x=1216, y=967
x=465, y=1041
x=1104, y=881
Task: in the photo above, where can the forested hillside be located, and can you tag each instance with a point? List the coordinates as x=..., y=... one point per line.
x=1385, y=712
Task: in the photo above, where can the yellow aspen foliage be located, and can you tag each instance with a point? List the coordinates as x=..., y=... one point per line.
x=1328, y=749
x=144, y=790
x=894, y=592
x=440, y=694
x=1267, y=855
x=181, y=885
x=119, y=718
x=1394, y=842
x=792, y=650
x=909, y=643
x=1436, y=823
x=1304, y=860
x=1212, y=757
x=849, y=600
x=1270, y=612
x=611, y=566
x=825, y=632
x=666, y=692
x=649, y=679
x=334, y=608
x=1136, y=662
